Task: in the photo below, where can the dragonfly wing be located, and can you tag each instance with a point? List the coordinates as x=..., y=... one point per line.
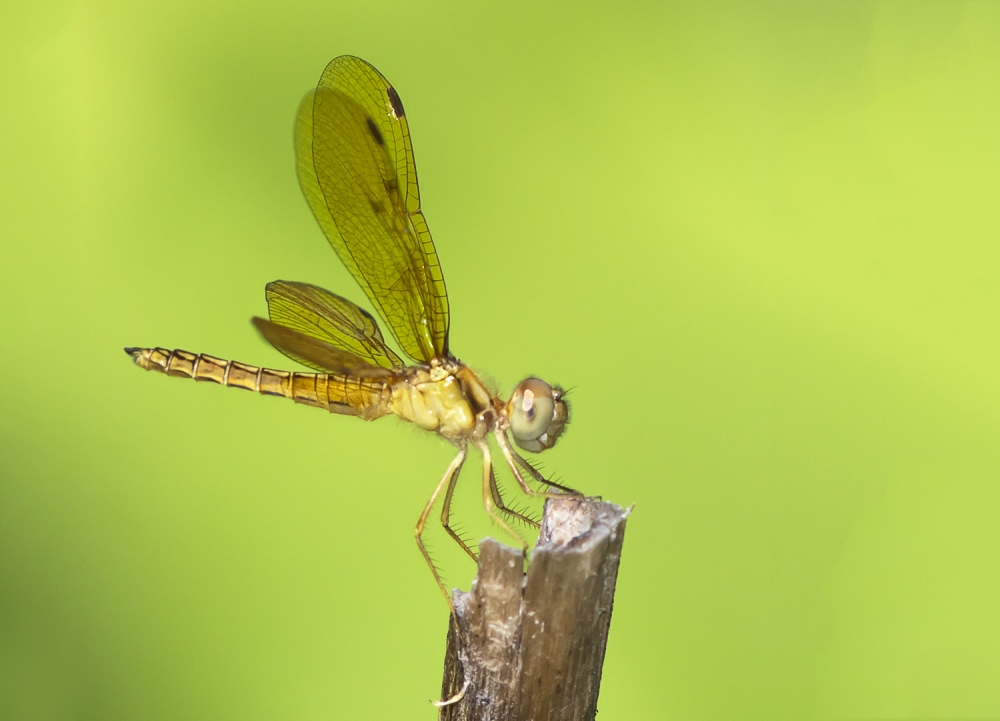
x=335, y=323
x=317, y=354
x=356, y=169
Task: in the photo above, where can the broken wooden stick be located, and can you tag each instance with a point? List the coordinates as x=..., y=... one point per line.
x=532, y=644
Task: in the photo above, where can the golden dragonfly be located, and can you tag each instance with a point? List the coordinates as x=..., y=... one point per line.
x=356, y=169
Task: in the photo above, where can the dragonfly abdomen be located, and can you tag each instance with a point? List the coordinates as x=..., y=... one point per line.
x=337, y=394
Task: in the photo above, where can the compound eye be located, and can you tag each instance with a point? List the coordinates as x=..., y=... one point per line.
x=531, y=408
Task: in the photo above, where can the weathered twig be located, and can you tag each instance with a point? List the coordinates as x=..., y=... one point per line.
x=532, y=645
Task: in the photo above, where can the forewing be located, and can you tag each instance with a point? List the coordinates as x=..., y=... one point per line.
x=316, y=313
x=356, y=169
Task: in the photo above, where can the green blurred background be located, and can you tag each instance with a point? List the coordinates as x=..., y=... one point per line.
x=759, y=240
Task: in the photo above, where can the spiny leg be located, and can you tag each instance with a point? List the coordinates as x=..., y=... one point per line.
x=502, y=507
x=446, y=514
x=419, y=530
x=451, y=476
x=510, y=455
x=533, y=472
x=488, y=495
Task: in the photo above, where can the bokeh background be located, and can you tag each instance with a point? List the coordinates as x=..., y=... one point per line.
x=760, y=241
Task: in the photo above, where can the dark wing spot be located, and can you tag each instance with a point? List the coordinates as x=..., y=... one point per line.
x=397, y=104
x=373, y=129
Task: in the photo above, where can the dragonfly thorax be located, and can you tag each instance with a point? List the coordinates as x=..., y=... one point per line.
x=433, y=398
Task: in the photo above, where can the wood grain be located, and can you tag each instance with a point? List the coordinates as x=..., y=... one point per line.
x=532, y=645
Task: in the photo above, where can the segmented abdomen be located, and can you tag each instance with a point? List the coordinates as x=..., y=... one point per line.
x=367, y=398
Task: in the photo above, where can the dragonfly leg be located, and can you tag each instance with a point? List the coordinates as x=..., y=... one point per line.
x=533, y=472
x=510, y=455
x=503, y=508
x=446, y=514
x=488, y=495
x=418, y=532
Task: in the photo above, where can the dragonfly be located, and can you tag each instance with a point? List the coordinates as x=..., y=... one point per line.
x=355, y=165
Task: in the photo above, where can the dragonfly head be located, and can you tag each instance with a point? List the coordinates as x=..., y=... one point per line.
x=538, y=413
